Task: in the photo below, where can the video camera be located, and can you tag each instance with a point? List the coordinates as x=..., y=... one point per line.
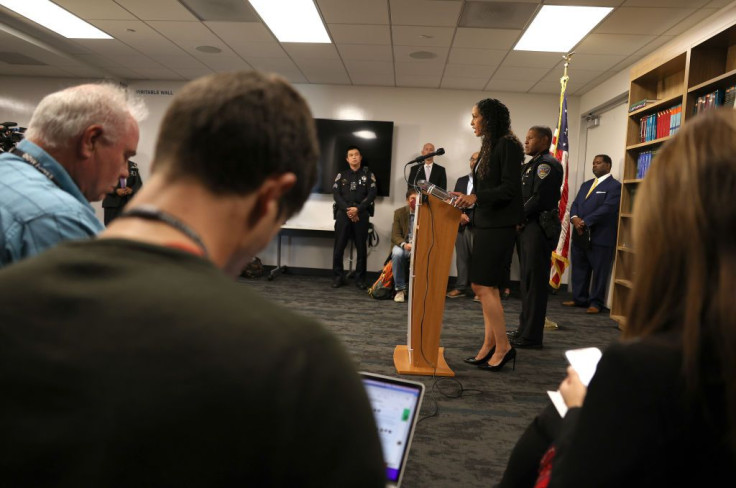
x=10, y=135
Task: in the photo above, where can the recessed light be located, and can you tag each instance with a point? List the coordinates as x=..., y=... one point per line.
x=55, y=18
x=570, y=25
x=292, y=20
x=208, y=49
x=422, y=55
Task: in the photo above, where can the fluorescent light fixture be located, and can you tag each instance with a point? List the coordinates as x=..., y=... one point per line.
x=292, y=20
x=365, y=134
x=55, y=18
x=559, y=29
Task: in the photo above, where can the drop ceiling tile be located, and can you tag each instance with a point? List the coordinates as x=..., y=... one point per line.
x=300, y=51
x=183, y=31
x=259, y=50
x=554, y=87
x=613, y=44
x=325, y=71
x=241, y=31
x=402, y=53
x=181, y=62
x=156, y=10
x=365, y=52
x=223, y=62
x=576, y=75
x=348, y=11
x=421, y=12
x=529, y=58
x=497, y=15
x=514, y=73
x=486, y=38
x=362, y=68
x=142, y=38
x=719, y=3
x=698, y=16
x=636, y=20
x=487, y=57
x=432, y=70
x=407, y=35
x=451, y=82
x=469, y=71
x=283, y=66
x=360, y=34
x=510, y=85
x=666, y=3
x=107, y=47
x=417, y=81
x=373, y=79
x=597, y=62
x=585, y=3
x=99, y=9
x=193, y=73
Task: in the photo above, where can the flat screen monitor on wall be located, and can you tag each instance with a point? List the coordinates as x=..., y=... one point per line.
x=375, y=140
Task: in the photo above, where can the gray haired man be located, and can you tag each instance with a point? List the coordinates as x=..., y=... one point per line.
x=76, y=149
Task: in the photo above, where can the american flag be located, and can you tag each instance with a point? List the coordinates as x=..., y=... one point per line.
x=561, y=150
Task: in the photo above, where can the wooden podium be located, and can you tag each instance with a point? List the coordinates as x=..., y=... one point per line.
x=435, y=231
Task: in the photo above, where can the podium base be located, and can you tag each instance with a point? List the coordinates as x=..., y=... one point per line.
x=403, y=364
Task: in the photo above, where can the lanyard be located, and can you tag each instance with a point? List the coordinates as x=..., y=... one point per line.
x=34, y=162
x=149, y=212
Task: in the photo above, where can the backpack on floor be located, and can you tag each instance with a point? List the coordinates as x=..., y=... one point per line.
x=383, y=288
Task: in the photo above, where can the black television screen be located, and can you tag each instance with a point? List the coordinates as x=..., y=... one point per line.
x=375, y=140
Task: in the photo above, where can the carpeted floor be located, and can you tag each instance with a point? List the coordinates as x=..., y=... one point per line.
x=478, y=415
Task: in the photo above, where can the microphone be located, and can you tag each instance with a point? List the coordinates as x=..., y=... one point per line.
x=438, y=152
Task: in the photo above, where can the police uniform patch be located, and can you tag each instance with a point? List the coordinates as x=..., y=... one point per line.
x=543, y=170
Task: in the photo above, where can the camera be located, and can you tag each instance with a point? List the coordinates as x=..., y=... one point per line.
x=10, y=135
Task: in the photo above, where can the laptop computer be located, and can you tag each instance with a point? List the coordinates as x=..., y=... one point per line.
x=395, y=403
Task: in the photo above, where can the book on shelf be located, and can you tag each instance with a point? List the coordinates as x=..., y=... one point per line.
x=641, y=103
x=661, y=124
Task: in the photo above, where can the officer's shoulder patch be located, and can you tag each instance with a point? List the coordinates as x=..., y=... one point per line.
x=543, y=170
x=337, y=178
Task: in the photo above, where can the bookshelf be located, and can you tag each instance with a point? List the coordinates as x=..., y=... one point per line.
x=680, y=79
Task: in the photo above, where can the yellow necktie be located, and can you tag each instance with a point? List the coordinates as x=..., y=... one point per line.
x=595, y=183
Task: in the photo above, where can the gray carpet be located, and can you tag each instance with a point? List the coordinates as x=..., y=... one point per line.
x=468, y=441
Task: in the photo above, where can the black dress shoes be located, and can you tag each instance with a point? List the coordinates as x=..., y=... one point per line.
x=512, y=334
x=361, y=285
x=522, y=343
x=484, y=359
x=508, y=357
x=337, y=282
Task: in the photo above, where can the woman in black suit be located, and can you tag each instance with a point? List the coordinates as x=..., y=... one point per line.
x=498, y=209
x=661, y=408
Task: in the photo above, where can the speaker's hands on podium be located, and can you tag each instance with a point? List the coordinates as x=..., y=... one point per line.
x=463, y=200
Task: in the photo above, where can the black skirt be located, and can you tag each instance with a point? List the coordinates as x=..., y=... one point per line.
x=492, y=251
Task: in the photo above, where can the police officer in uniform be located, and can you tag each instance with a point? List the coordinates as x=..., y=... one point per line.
x=541, y=179
x=122, y=194
x=354, y=191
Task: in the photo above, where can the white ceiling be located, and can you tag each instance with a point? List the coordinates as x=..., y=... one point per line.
x=452, y=44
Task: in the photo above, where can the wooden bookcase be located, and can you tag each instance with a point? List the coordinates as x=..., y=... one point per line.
x=681, y=78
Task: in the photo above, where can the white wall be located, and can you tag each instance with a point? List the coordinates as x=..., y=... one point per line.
x=419, y=115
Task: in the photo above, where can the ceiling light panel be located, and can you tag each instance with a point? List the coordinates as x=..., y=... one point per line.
x=55, y=18
x=292, y=20
x=569, y=24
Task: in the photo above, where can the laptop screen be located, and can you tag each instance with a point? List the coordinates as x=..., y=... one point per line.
x=395, y=403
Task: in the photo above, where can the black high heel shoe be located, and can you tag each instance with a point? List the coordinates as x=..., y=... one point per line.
x=484, y=359
x=508, y=357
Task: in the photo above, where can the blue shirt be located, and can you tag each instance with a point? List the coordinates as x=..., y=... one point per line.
x=35, y=213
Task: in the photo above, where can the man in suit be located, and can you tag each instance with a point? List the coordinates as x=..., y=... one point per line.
x=115, y=200
x=402, y=239
x=434, y=173
x=594, y=210
x=464, y=239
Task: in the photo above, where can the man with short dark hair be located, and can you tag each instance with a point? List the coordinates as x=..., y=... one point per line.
x=464, y=240
x=76, y=149
x=541, y=179
x=402, y=238
x=199, y=381
x=594, y=215
x=354, y=191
